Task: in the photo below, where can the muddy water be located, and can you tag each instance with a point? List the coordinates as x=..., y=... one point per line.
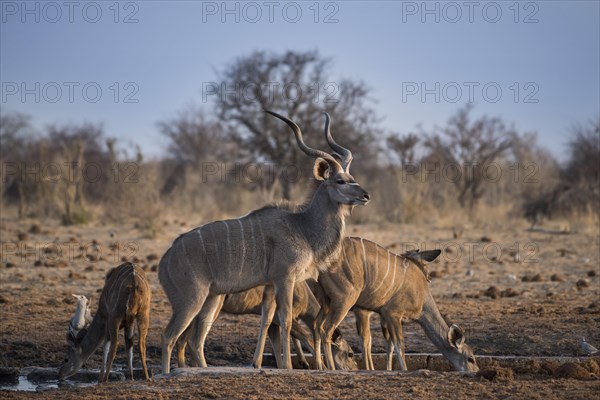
x=27, y=385
x=43, y=379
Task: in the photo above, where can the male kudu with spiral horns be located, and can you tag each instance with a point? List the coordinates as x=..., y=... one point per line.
x=272, y=245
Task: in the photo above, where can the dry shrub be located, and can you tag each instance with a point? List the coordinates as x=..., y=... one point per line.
x=134, y=197
x=407, y=189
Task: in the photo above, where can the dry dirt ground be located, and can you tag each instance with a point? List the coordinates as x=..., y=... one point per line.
x=513, y=291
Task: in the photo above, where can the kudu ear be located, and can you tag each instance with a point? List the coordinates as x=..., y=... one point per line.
x=321, y=169
x=429, y=255
x=456, y=337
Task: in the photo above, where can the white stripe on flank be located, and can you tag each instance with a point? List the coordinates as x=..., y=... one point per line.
x=393, y=282
x=177, y=290
x=254, y=253
x=386, y=271
x=187, y=258
x=344, y=251
x=109, y=289
x=365, y=260
x=243, y=248
x=264, y=255
x=228, y=246
x=212, y=274
x=116, y=296
x=172, y=281
x=405, y=265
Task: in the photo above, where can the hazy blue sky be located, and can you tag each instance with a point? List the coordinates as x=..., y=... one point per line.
x=549, y=50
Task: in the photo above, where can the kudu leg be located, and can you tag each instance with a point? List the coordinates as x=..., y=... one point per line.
x=332, y=320
x=275, y=338
x=182, y=342
x=394, y=324
x=363, y=328
x=186, y=311
x=401, y=352
x=368, y=347
x=201, y=327
x=284, y=294
x=299, y=335
x=113, y=334
x=128, y=333
x=389, y=355
x=399, y=347
x=318, y=326
x=300, y=354
x=143, y=323
x=389, y=349
x=266, y=317
x=106, y=349
x=305, y=338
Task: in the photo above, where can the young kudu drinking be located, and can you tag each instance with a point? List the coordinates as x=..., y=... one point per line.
x=272, y=245
x=369, y=277
x=125, y=300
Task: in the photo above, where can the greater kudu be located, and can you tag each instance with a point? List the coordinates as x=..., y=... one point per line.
x=272, y=245
x=369, y=277
x=125, y=300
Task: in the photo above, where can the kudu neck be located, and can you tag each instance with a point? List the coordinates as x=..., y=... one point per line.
x=434, y=326
x=312, y=310
x=93, y=338
x=323, y=222
x=322, y=209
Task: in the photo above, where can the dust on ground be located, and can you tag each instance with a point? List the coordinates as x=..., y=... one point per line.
x=513, y=291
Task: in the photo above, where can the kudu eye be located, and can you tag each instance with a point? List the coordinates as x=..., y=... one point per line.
x=351, y=355
x=341, y=182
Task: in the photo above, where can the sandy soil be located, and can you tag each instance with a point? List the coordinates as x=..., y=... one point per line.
x=514, y=292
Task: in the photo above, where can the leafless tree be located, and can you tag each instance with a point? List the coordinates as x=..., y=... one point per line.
x=85, y=162
x=15, y=139
x=469, y=147
x=296, y=84
x=403, y=148
x=194, y=137
x=584, y=147
x=581, y=171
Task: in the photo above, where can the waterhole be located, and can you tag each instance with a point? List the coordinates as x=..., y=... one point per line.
x=42, y=379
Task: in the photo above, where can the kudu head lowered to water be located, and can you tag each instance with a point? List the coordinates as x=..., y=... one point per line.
x=125, y=300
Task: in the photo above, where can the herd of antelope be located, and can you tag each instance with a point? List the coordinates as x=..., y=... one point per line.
x=288, y=265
